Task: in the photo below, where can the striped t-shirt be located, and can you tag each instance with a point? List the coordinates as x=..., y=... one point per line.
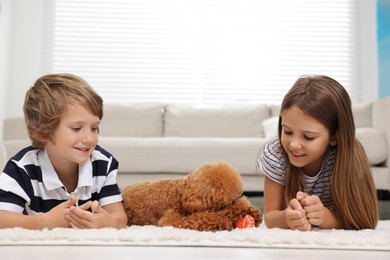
x=30, y=185
x=272, y=163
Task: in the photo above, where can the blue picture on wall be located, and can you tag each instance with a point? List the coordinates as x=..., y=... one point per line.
x=383, y=34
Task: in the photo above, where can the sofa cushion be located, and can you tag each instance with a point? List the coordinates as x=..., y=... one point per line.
x=182, y=155
x=3, y=156
x=15, y=129
x=222, y=121
x=12, y=147
x=374, y=143
x=270, y=127
x=362, y=114
x=274, y=110
x=132, y=120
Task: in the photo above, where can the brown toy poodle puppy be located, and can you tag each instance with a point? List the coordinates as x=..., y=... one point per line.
x=208, y=199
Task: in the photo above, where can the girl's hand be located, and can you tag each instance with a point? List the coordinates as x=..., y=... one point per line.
x=80, y=217
x=313, y=206
x=296, y=216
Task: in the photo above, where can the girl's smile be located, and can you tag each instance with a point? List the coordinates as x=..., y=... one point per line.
x=294, y=154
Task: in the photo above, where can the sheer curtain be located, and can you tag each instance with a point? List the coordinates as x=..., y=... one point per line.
x=204, y=52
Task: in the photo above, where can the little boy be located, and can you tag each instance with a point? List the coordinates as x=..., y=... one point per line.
x=64, y=179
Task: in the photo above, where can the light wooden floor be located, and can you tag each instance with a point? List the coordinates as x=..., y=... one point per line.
x=187, y=253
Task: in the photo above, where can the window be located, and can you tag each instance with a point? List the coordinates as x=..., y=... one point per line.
x=201, y=51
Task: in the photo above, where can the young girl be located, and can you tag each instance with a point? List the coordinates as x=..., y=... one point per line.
x=316, y=171
x=64, y=179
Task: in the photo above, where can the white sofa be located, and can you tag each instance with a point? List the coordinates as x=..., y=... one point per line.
x=155, y=140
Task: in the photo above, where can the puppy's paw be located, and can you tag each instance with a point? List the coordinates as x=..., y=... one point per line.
x=256, y=214
x=169, y=218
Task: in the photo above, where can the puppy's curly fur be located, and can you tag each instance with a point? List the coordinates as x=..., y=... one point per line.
x=210, y=198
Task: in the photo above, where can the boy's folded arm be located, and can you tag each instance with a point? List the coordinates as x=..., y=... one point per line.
x=9, y=219
x=117, y=211
x=51, y=219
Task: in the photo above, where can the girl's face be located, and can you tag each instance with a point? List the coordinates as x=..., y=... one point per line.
x=75, y=138
x=305, y=140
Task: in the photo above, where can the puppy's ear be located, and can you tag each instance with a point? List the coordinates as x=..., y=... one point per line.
x=212, y=186
x=194, y=196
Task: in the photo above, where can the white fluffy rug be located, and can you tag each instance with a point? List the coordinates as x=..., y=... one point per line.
x=378, y=239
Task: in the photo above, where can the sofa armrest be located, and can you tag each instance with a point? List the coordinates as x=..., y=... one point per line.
x=381, y=121
x=3, y=157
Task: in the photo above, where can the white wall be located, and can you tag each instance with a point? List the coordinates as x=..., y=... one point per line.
x=25, y=51
x=5, y=20
x=20, y=46
x=368, y=50
x=20, y=51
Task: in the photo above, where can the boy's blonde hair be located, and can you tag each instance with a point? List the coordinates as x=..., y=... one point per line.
x=353, y=189
x=47, y=100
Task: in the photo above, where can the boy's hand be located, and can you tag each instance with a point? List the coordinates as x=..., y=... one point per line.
x=313, y=207
x=296, y=216
x=56, y=216
x=80, y=217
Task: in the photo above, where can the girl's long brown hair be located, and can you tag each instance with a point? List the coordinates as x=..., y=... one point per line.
x=353, y=189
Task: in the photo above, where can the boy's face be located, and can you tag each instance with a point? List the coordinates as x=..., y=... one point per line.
x=75, y=138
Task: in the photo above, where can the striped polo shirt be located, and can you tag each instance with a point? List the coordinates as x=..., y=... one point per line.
x=30, y=185
x=272, y=163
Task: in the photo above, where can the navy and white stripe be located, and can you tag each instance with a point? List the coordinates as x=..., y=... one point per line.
x=30, y=185
x=272, y=163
